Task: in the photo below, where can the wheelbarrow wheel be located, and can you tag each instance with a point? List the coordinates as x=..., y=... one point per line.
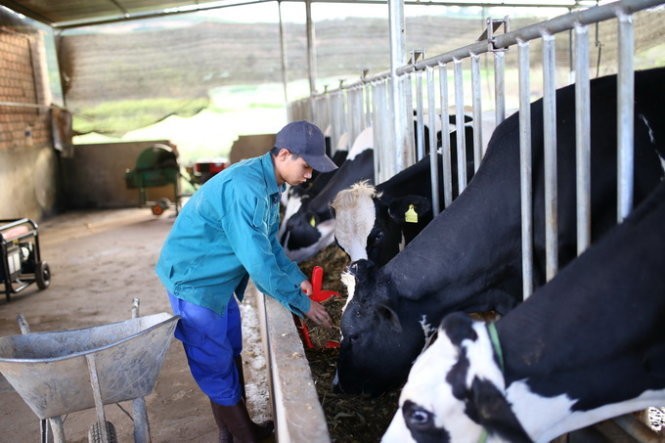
x=160, y=206
x=42, y=275
x=95, y=433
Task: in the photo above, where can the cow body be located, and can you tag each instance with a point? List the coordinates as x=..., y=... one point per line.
x=587, y=346
x=310, y=228
x=469, y=257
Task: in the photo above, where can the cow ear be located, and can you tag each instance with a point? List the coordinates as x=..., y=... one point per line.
x=409, y=209
x=386, y=313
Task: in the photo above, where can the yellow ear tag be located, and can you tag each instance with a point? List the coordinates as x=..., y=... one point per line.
x=312, y=222
x=411, y=216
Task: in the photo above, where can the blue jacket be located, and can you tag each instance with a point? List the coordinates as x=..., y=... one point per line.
x=226, y=233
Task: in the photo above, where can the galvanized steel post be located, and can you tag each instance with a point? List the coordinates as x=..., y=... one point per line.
x=525, y=169
x=477, y=111
x=434, y=169
x=445, y=137
x=582, y=137
x=625, y=115
x=459, y=121
x=550, y=149
x=403, y=152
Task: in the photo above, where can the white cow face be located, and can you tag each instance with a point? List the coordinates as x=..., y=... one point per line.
x=429, y=410
x=453, y=387
x=355, y=216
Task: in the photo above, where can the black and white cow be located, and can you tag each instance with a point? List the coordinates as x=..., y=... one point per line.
x=376, y=222
x=310, y=228
x=469, y=257
x=587, y=346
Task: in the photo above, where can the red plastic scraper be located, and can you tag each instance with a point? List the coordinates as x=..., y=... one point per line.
x=318, y=293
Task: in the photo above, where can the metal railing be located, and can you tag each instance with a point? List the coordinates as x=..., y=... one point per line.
x=372, y=97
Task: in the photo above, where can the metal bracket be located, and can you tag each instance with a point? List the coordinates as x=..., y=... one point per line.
x=415, y=56
x=493, y=25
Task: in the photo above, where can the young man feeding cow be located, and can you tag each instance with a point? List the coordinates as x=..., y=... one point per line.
x=225, y=234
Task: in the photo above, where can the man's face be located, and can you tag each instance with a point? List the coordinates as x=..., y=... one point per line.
x=292, y=169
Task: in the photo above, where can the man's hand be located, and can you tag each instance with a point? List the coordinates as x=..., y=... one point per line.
x=318, y=314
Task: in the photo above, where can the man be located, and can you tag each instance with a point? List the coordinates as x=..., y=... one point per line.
x=226, y=233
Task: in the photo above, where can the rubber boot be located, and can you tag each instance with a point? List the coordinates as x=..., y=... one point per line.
x=242, y=427
x=225, y=435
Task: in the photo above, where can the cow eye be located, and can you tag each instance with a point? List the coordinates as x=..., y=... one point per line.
x=416, y=417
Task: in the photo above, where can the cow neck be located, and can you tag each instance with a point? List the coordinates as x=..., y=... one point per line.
x=496, y=346
x=457, y=258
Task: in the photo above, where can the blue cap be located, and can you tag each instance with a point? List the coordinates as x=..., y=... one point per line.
x=306, y=140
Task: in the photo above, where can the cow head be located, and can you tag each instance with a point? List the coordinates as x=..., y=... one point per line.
x=375, y=227
x=306, y=233
x=376, y=346
x=455, y=391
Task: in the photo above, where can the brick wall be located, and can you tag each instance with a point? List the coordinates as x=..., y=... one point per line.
x=21, y=82
x=28, y=164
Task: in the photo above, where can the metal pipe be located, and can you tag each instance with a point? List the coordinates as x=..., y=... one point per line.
x=397, y=55
x=282, y=52
x=525, y=168
x=379, y=137
x=477, y=112
x=582, y=138
x=499, y=87
x=625, y=115
x=420, y=130
x=459, y=122
x=445, y=138
x=434, y=168
x=311, y=51
x=550, y=148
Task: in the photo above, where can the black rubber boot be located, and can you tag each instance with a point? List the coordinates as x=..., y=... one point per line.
x=244, y=430
x=225, y=435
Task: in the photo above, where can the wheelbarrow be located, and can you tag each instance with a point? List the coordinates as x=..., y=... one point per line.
x=61, y=372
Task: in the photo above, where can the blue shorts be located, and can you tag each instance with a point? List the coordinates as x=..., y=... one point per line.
x=211, y=342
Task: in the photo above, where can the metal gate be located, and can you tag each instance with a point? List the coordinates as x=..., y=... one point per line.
x=428, y=83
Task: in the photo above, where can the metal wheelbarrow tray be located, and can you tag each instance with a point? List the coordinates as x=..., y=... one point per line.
x=60, y=372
